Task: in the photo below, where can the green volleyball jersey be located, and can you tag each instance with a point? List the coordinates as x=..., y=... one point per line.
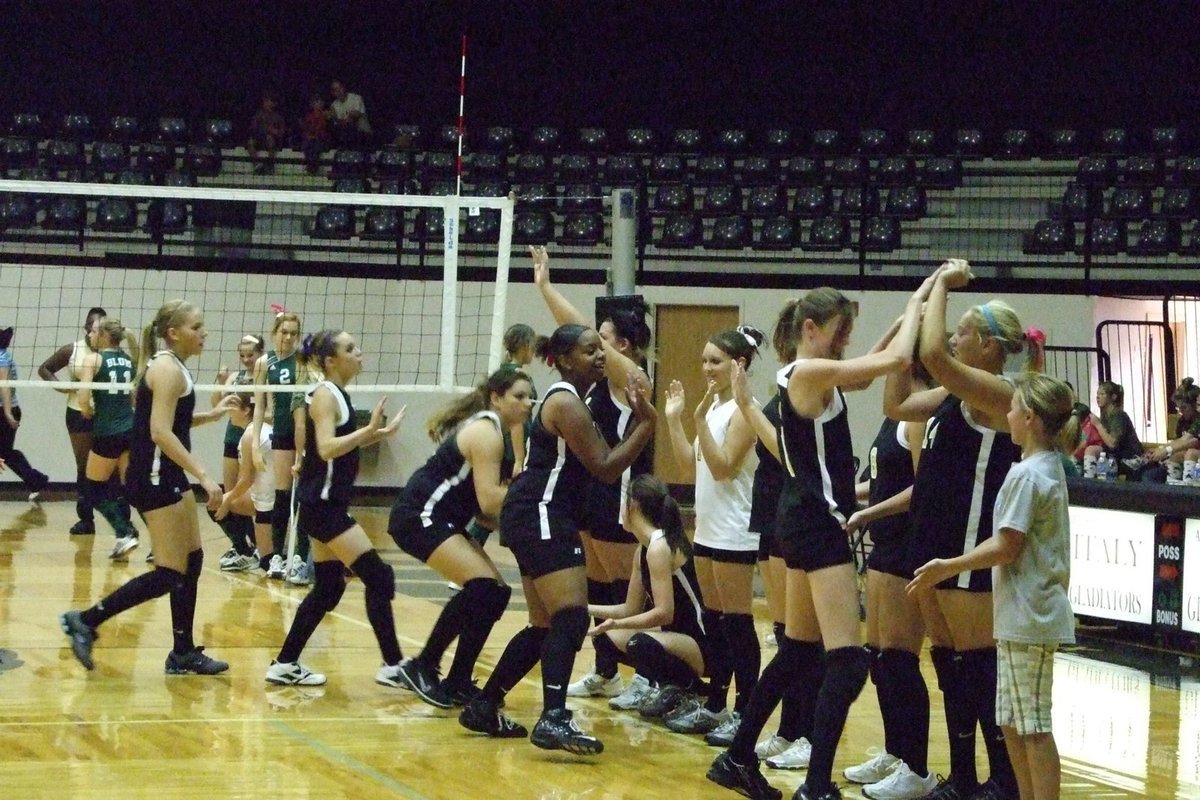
x=113, y=411
x=281, y=372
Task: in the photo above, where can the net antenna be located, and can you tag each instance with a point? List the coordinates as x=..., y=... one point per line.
x=364, y=286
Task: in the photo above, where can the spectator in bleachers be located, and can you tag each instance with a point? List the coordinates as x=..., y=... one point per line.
x=267, y=129
x=348, y=117
x=314, y=133
x=1118, y=437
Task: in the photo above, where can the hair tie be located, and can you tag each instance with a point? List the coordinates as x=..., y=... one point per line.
x=993, y=328
x=1036, y=335
x=306, y=348
x=278, y=309
x=744, y=330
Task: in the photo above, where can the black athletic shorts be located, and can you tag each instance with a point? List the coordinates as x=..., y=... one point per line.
x=146, y=497
x=324, y=521
x=612, y=533
x=768, y=544
x=77, y=422
x=231, y=450
x=892, y=555
x=815, y=548
x=411, y=535
x=725, y=556
x=281, y=441
x=111, y=446
x=540, y=551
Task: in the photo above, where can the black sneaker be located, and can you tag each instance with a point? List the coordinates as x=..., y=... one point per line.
x=460, y=695
x=193, y=662
x=804, y=793
x=481, y=716
x=661, y=701
x=83, y=527
x=947, y=789
x=82, y=636
x=990, y=790
x=424, y=682
x=745, y=779
x=556, y=730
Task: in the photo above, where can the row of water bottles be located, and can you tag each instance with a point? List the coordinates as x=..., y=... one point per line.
x=1103, y=468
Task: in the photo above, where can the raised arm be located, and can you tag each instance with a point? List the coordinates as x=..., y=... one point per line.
x=723, y=460
x=323, y=411
x=224, y=378
x=48, y=369
x=568, y=417
x=681, y=448
x=758, y=421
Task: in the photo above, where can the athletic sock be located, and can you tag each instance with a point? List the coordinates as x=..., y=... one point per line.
x=133, y=592
x=598, y=594
x=568, y=627
x=907, y=708
x=658, y=665
x=960, y=717
x=279, y=519
x=746, y=655
x=518, y=658
x=720, y=671
x=183, y=603
x=328, y=586
x=446, y=629
x=845, y=674
x=979, y=670
x=785, y=669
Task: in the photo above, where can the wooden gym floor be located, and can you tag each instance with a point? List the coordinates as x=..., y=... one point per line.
x=127, y=730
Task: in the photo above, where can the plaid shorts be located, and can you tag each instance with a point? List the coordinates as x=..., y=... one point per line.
x=1024, y=684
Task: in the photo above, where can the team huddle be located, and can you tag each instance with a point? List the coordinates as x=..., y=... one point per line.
x=963, y=495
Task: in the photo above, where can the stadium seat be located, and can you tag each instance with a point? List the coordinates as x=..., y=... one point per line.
x=849, y=171
x=351, y=184
x=139, y=177
x=545, y=138
x=906, y=202
x=173, y=130
x=1050, y=237
x=681, y=231
x=920, y=142
x=445, y=137
x=732, y=141
x=218, y=131
x=494, y=188
x=674, y=197
x=1016, y=143
x=393, y=163
x=593, y=140
x=1187, y=171
x=497, y=139
x=827, y=234
x=586, y=228
x=667, y=168
x=27, y=125
x=156, y=158
x=63, y=154
x=731, y=232
x=78, y=127
x=685, y=141
x=1096, y=171
x=399, y=186
x=804, y=171
x=430, y=225
x=582, y=197
x=623, y=170
x=1130, y=202
x=124, y=129
x=533, y=227
x=825, y=143
x=64, y=213
x=1114, y=141
x=1078, y=203
x=532, y=167
x=383, y=224
x=203, y=160
x=168, y=216
x=110, y=157
x=577, y=167
x=1142, y=171
x=348, y=163
x=968, y=143
x=813, y=202
x=857, y=202
x=1158, y=237
x=18, y=153
x=777, y=233
x=713, y=169
x=766, y=201
x=535, y=195
x=778, y=141
x=1179, y=202
x=482, y=228
x=640, y=140
x=760, y=170
x=333, y=222
x=1063, y=143
x=1165, y=141
x=896, y=171
x=725, y=199
x=490, y=166
x=438, y=165
x=408, y=137
x=18, y=210
x=941, y=173
x=1108, y=237
x=881, y=235
x=874, y=142
x=115, y=214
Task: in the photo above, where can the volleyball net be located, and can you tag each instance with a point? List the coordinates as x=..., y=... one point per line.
x=386, y=267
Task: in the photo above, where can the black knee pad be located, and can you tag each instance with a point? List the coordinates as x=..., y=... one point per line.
x=876, y=665
x=166, y=580
x=486, y=598
x=945, y=666
x=195, y=563
x=573, y=622
x=329, y=584
x=379, y=578
x=846, y=673
x=262, y=517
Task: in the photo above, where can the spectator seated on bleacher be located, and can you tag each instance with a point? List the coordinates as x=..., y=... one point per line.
x=267, y=131
x=348, y=117
x=314, y=133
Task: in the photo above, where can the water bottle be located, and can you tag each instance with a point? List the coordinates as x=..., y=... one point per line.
x=1102, y=467
x=1112, y=469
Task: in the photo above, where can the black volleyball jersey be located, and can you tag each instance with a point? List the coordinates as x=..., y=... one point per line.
x=890, y=471
x=963, y=465
x=606, y=502
x=689, y=608
x=329, y=481
x=818, y=458
x=442, y=488
x=554, y=479
x=147, y=463
x=768, y=478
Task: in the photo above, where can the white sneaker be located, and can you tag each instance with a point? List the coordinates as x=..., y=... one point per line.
x=293, y=674
x=593, y=685
x=771, y=746
x=795, y=757
x=901, y=784
x=299, y=574
x=872, y=770
x=390, y=676
x=233, y=561
x=122, y=546
x=631, y=698
x=276, y=568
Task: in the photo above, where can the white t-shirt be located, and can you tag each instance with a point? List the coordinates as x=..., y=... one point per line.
x=723, y=507
x=350, y=103
x=1030, y=604
x=262, y=492
x=79, y=352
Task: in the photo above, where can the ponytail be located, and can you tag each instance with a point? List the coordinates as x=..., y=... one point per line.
x=656, y=504
x=170, y=315
x=445, y=422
